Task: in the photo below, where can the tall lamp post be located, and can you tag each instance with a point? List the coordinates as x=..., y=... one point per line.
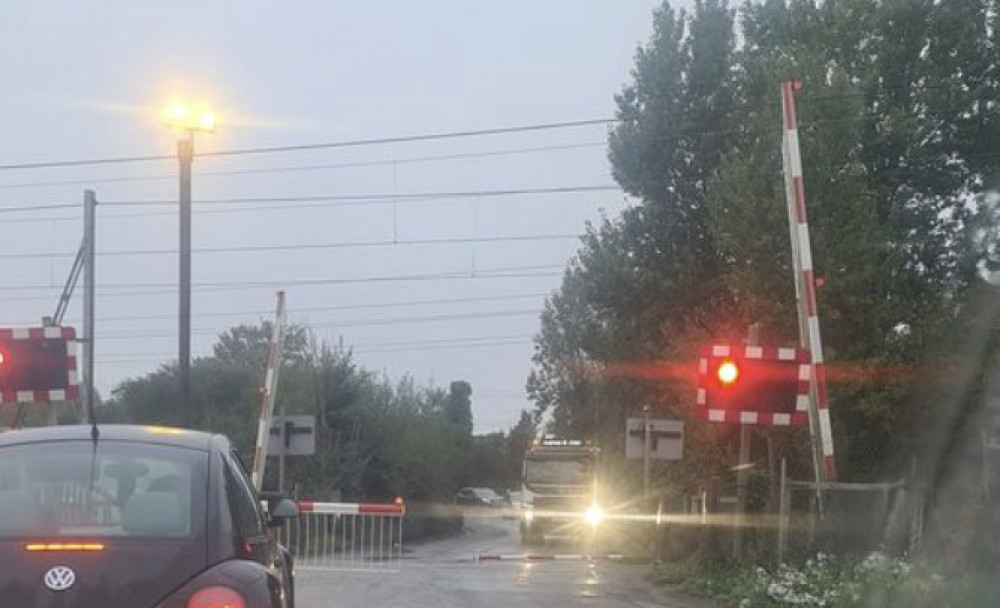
x=189, y=119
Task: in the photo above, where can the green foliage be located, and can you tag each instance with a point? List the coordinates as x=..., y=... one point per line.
x=824, y=581
x=898, y=116
x=458, y=406
x=375, y=439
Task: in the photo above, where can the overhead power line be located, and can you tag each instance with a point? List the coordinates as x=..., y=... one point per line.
x=366, y=306
x=358, y=351
x=310, y=167
x=305, y=246
x=487, y=273
x=380, y=198
x=320, y=200
x=351, y=347
x=312, y=146
x=414, y=138
x=33, y=208
x=134, y=335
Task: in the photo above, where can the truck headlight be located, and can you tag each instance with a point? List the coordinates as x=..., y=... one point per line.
x=529, y=516
x=594, y=515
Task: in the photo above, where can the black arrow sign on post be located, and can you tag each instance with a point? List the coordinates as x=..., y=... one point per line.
x=655, y=435
x=289, y=430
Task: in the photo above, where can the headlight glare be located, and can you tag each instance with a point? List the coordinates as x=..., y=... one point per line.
x=594, y=515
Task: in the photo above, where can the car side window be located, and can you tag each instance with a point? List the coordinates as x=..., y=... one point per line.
x=242, y=501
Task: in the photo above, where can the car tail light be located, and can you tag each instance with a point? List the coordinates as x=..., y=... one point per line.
x=216, y=597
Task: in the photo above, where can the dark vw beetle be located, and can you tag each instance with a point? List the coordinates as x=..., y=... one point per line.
x=141, y=517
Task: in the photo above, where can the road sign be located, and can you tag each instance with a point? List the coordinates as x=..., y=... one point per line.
x=293, y=436
x=38, y=365
x=666, y=438
x=753, y=385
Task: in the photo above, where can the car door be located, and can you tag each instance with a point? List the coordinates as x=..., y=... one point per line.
x=250, y=522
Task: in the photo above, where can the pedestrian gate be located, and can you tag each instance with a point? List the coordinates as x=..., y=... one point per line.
x=330, y=536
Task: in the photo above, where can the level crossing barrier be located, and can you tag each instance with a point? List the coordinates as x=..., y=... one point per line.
x=334, y=536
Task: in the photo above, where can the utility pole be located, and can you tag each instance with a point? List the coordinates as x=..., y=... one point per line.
x=646, y=440
x=742, y=467
x=185, y=156
x=89, y=277
x=284, y=444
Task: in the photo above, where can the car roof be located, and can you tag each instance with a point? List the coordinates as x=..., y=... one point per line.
x=158, y=435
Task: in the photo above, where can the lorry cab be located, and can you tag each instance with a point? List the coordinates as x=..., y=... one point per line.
x=559, y=489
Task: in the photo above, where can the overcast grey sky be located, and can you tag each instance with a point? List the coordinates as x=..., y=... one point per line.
x=86, y=80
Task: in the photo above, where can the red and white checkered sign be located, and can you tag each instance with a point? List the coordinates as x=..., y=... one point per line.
x=38, y=365
x=771, y=386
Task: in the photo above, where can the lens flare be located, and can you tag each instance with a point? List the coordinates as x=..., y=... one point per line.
x=728, y=372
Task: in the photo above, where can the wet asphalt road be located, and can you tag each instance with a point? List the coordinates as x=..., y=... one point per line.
x=444, y=574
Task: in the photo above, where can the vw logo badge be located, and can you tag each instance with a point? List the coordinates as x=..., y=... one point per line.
x=60, y=578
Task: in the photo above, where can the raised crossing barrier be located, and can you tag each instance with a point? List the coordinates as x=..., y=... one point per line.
x=335, y=536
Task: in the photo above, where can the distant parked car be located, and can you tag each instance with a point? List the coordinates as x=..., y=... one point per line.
x=482, y=497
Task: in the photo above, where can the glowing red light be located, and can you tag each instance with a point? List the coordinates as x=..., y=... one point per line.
x=216, y=597
x=728, y=372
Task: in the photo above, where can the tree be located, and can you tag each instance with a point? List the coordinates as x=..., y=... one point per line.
x=458, y=405
x=897, y=116
x=247, y=345
x=519, y=439
x=375, y=439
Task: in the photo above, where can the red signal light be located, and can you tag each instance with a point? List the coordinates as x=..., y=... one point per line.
x=728, y=372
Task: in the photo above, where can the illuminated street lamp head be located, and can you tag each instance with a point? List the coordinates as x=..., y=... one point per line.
x=190, y=117
x=728, y=372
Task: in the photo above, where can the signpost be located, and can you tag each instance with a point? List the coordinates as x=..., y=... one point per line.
x=293, y=436
x=666, y=438
x=651, y=439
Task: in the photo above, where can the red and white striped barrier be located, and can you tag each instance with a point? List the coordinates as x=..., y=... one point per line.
x=347, y=508
x=544, y=557
x=267, y=392
x=805, y=281
x=336, y=536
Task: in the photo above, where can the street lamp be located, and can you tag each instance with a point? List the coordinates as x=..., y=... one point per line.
x=189, y=118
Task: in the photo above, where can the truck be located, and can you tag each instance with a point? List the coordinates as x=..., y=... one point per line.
x=559, y=491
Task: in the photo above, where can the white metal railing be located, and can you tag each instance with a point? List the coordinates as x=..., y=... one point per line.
x=345, y=536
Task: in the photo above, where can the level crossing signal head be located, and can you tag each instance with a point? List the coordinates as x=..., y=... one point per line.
x=752, y=384
x=37, y=365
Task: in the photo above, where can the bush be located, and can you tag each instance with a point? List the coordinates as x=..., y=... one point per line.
x=876, y=580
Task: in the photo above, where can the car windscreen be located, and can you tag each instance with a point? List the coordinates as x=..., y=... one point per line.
x=111, y=489
x=570, y=472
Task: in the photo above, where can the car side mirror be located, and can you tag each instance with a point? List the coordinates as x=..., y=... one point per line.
x=285, y=509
